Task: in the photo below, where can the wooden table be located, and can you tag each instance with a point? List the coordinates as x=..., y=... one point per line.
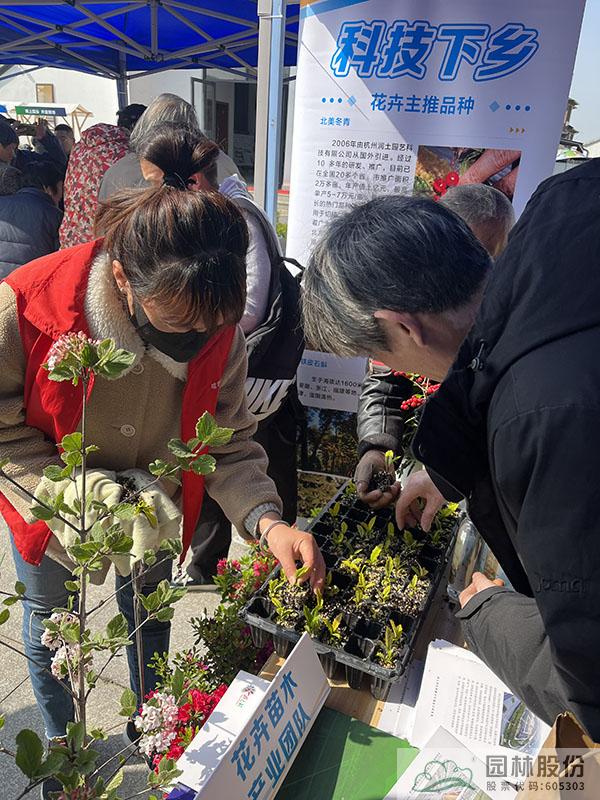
x=360, y=704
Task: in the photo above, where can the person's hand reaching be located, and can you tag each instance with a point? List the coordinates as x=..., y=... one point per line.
x=370, y=464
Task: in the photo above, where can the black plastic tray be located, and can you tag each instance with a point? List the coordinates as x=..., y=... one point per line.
x=357, y=656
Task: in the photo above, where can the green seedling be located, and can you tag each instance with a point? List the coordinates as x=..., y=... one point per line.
x=313, y=621
x=334, y=634
x=354, y=565
x=375, y=553
x=389, y=536
x=283, y=613
x=301, y=572
x=413, y=586
x=360, y=589
x=389, y=461
x=387, y=580
x=366, y=528
x=334, y=510
x=338, y=536
x=391, y=642
x=411, y=545
x=420, y=572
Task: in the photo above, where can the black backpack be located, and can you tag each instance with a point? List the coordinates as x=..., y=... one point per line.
x=276, y=346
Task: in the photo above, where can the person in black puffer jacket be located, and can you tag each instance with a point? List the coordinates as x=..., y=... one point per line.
x=30, y=219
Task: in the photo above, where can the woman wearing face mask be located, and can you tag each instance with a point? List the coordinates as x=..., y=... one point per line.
x=271, y=322
x=166, y=282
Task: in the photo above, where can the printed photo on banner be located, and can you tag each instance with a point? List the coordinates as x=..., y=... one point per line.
x=439, y=169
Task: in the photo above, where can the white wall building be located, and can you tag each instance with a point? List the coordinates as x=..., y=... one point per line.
x=225, y=103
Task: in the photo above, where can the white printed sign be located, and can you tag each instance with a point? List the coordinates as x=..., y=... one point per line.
x=327, y=381
x=253, y=736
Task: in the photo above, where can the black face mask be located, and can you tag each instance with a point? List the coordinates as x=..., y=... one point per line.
x=180, y=347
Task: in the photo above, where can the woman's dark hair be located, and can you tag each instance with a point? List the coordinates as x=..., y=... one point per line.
x=179, y=153
x=181, y=249
x=7, y=134
x=395, y=252
x=42, y=175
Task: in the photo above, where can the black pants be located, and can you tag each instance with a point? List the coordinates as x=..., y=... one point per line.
x=277, y=435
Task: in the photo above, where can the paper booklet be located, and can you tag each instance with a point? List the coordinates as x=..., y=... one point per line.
x=446, y=770
x=461, y=694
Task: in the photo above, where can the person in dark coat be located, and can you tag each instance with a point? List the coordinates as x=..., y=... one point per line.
x=30, y=219
x=514, y=426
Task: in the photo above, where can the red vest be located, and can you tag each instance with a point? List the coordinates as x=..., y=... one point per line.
x=50, y=294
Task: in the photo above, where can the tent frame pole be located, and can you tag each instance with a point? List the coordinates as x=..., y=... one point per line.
x=122, y=83
x=269, y=101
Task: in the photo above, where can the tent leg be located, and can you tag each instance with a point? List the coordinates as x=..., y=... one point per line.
x=271, y=40
x=122, y=83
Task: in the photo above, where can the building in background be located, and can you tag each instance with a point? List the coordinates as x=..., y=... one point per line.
x=225, y=103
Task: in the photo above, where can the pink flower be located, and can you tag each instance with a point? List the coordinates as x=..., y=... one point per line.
x=236, y=565
x=221, y=566
x=66, y=345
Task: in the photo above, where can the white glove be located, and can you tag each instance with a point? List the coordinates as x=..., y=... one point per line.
x=105, y=488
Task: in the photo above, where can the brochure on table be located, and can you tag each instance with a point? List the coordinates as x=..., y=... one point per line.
x=446, y=769
x=253, y=736
x=460, y=693
x=397, y=96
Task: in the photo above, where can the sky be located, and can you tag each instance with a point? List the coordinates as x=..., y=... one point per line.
x=585, y=85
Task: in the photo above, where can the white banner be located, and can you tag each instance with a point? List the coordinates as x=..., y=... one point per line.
x=396, y=96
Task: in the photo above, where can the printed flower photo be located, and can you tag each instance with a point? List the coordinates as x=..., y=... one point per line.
x=440, y=168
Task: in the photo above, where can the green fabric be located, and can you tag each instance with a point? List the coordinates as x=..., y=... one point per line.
x=344, y=759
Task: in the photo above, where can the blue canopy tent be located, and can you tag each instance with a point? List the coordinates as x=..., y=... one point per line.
x=128, y=38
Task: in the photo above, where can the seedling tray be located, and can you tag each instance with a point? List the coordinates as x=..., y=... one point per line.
x=364, y=626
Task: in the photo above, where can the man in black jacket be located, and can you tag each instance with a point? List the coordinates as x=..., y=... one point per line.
x=514, y=425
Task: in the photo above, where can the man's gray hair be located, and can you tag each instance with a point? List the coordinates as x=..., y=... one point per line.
x=394, y=252
x=164, y=108
x=487, y=211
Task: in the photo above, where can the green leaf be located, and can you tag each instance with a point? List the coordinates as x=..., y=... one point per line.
x=98, y=735
x=30, y=752
x=115, y=365
x=205, y=426
x=10, y=601
x=91, y=448
x=4, y=615
x=41, y=512
x=2, y=721
x=220, y=437
x=91, y=679
x=54, y=473
x=180, y=449
x=159, y=467
x=115, y=782
x=128, y=703
x=4, y=462
x=117, y=628
x=72, y=442
x=52, y=765
x=72, y=458
x=149, y=558
x=165, y=614
x=72, y=586
x=177, y=683
x=204, y=465
x=124, y=511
